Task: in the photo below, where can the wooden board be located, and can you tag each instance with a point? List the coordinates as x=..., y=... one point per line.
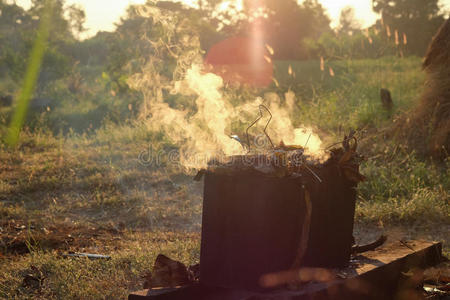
x=373, y=275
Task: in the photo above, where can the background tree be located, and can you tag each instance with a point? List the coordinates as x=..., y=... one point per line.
x=14, y=39
x=417, y=19
x=287, y=24
x=76, y=17
x=18, y=31
x=348, y=23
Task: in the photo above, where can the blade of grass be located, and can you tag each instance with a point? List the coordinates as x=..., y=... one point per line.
x=31, y=76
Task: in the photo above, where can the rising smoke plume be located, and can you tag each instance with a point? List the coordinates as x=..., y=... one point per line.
x=202, y=128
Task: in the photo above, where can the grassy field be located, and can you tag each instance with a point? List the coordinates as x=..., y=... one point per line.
x=90, y=192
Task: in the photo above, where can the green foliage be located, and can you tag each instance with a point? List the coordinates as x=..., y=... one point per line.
x=169, y=38
x=418, y=19
x=287, y=24
x=18, y=33
x=94, y=51
x=347, y=21
x=356, y=44
x=14, y=26
x=405, y=29
x=209, y=23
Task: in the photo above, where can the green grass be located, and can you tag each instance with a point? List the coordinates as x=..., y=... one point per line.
x=102, y=279
x=88, y=192
x=404, y=189
x=350, y=99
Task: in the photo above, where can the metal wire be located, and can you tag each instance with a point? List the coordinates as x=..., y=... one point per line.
x=312, y=172
x=236, y=138
x=343, y=141
x=265, y=128
x=307, y=141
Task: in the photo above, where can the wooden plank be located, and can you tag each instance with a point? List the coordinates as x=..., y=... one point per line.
x=374, y=275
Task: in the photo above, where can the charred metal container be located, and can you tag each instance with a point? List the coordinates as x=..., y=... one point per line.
x=252, y=222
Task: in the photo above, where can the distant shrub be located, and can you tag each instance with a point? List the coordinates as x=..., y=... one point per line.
x=369, y=43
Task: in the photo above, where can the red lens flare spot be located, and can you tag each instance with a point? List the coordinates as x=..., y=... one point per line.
x=241, y=60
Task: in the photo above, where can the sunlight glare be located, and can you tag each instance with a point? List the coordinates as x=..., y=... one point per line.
x=363, y=10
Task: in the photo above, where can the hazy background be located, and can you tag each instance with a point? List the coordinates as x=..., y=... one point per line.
x=102, y=14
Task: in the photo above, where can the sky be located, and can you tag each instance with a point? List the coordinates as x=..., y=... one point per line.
x=102, y=14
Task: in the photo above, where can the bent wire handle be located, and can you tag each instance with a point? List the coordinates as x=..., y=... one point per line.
x=343, y=141
x=265, y=128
